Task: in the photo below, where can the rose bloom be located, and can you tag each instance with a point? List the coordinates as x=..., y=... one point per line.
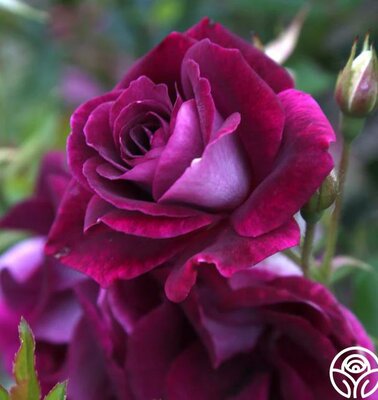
x=263, y=334
x=35, y=286
x=204, y=150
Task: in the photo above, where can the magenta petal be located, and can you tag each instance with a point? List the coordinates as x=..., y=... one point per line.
x=302, y=164
x=35, y=214
x=158, y=227
x=219, y=180
x=162, y=64
x=77, y=150
x=236, y=87
x=183, y=146
x=275, y=75
x=127, y=197
x=99, y=136
x=191, y=376
x=153, y=345
x=230, y=253
x=102, y=253
x=141, y=89
x=209, y=117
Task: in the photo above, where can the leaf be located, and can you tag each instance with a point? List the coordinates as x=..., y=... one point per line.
x=24, y=10
x=27, y=386
x=58, y=392
x=3, y=394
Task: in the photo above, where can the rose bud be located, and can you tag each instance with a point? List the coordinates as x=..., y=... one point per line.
x=357, y=84
x=37, y=287
x=322, y=199
x=201, y=155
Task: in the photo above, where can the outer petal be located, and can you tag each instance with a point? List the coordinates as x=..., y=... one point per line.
x=192, y=377
x=155, y=342
x=139, y=224
x=302, y=164
x=162, y=64
x=100, y=252
x=273, y=74
x=236, y=87
x=229, y=253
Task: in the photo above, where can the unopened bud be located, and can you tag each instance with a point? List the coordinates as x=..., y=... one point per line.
x=322, y=199
x=357, y=84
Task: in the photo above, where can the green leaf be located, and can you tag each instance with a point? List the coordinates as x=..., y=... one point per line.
x=27, y=386
x=58, y=392
x=3, y=394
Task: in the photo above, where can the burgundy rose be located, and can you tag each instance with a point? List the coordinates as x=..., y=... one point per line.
x=259, y=335
x=204, y=150
x=38, y=287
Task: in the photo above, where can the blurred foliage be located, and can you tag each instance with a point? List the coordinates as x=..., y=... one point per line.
x=55, y=54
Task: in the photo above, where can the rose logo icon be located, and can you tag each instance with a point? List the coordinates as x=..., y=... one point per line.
x=354, y=373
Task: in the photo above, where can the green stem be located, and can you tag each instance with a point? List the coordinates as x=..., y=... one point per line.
x=293, y=256
x=307, y=247
x=336, y=214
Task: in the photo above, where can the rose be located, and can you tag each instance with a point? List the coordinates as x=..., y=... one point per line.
x=204, y=150
x=37, y=287
x=261, y=334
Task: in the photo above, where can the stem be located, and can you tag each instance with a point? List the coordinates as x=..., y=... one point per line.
x=335, y=216
x=293, y=256
x=307, y=247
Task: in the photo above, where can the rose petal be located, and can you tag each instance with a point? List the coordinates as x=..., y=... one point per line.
x=162, y=64
x=220, y=179
x=183, y=146
x=102, y=253
x=229, y=253
x=276, y=76
x=128, y=197
x=158, y=227
x=302, y=164
x=262, y=117
x=153, y=345
x=77, y=150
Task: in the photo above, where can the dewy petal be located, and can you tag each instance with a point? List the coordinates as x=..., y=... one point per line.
x=219, y=180
x=77, y=150
x=229, y=253
x=102, y=253
x=273, y=74
x=236, y=87
x=302, y=164
x=162, y=64
x=183, y=146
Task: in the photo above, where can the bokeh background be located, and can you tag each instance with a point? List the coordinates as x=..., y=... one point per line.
x=56, y=54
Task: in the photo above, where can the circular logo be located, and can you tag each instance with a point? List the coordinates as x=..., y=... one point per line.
x=354, y=373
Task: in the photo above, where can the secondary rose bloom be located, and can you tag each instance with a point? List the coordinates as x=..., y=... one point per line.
x=259, y=335
x=204, y=150
x=38, y=287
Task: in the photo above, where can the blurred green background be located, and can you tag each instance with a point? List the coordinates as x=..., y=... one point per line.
x=56, y=54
